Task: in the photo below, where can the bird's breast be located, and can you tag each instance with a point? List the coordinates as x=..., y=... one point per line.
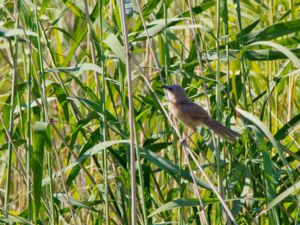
x=176, y=110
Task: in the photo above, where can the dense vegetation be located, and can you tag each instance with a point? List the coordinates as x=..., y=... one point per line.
x=68, y=128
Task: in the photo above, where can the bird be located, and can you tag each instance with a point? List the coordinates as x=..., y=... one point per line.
x=193, y=115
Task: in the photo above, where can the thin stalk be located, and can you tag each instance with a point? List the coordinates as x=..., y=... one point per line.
x=104, y=129
x=50, y=168
x=106, y=198
x=228, y=88
x=291, y=81
x=92, y=43
x=28, y=144
x=41, y=65
x=19, y=154
x=166, y=50
x=226, y=33
x=239, y=14
x=181, y=213
x=218, y=102
x=141, y=180
x=11, y=114
x=298, y=209
x=243, y=61
x=131, y=115
x=11, y=124
x=218, y=84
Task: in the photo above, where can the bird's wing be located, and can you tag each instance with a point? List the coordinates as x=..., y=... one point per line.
x=194, y=111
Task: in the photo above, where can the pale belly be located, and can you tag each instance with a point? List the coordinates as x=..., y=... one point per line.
x=183, y=117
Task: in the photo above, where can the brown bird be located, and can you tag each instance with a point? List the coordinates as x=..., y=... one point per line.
x=193, y=115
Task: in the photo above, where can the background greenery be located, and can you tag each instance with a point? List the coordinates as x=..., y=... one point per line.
x=64, y=131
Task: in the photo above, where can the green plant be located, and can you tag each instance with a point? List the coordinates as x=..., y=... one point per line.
x=64, y=108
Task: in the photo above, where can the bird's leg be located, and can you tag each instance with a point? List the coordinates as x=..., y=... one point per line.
x=187, y=137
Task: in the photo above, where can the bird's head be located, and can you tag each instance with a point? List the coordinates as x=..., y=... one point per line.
x=175, y=93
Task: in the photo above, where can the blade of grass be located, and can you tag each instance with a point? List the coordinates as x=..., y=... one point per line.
x=37, y=162
x=11, y=116
x=130, y=115
x=280, y=198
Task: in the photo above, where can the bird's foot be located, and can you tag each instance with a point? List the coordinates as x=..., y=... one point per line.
x=183, y=142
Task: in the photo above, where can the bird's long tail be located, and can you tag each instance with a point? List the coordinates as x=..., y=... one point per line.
x=222, y=131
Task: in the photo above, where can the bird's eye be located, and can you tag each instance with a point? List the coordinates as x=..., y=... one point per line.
x=170, y=89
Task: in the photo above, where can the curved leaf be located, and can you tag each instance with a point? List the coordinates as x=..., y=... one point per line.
x=77, y=69
x=178, y=203
x=271, y=32
x=281, y=197
x=282, y=49
x=169, y=167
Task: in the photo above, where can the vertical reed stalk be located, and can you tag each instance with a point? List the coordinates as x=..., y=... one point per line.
x=130, y=115
x=92, y=43
x=51, y=203
x=11, y=114
x=41, y=72
x=28, y=144
x=104, y=129
x=218, y=100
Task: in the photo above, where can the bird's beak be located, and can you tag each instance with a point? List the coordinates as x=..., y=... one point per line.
x=166, y=87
